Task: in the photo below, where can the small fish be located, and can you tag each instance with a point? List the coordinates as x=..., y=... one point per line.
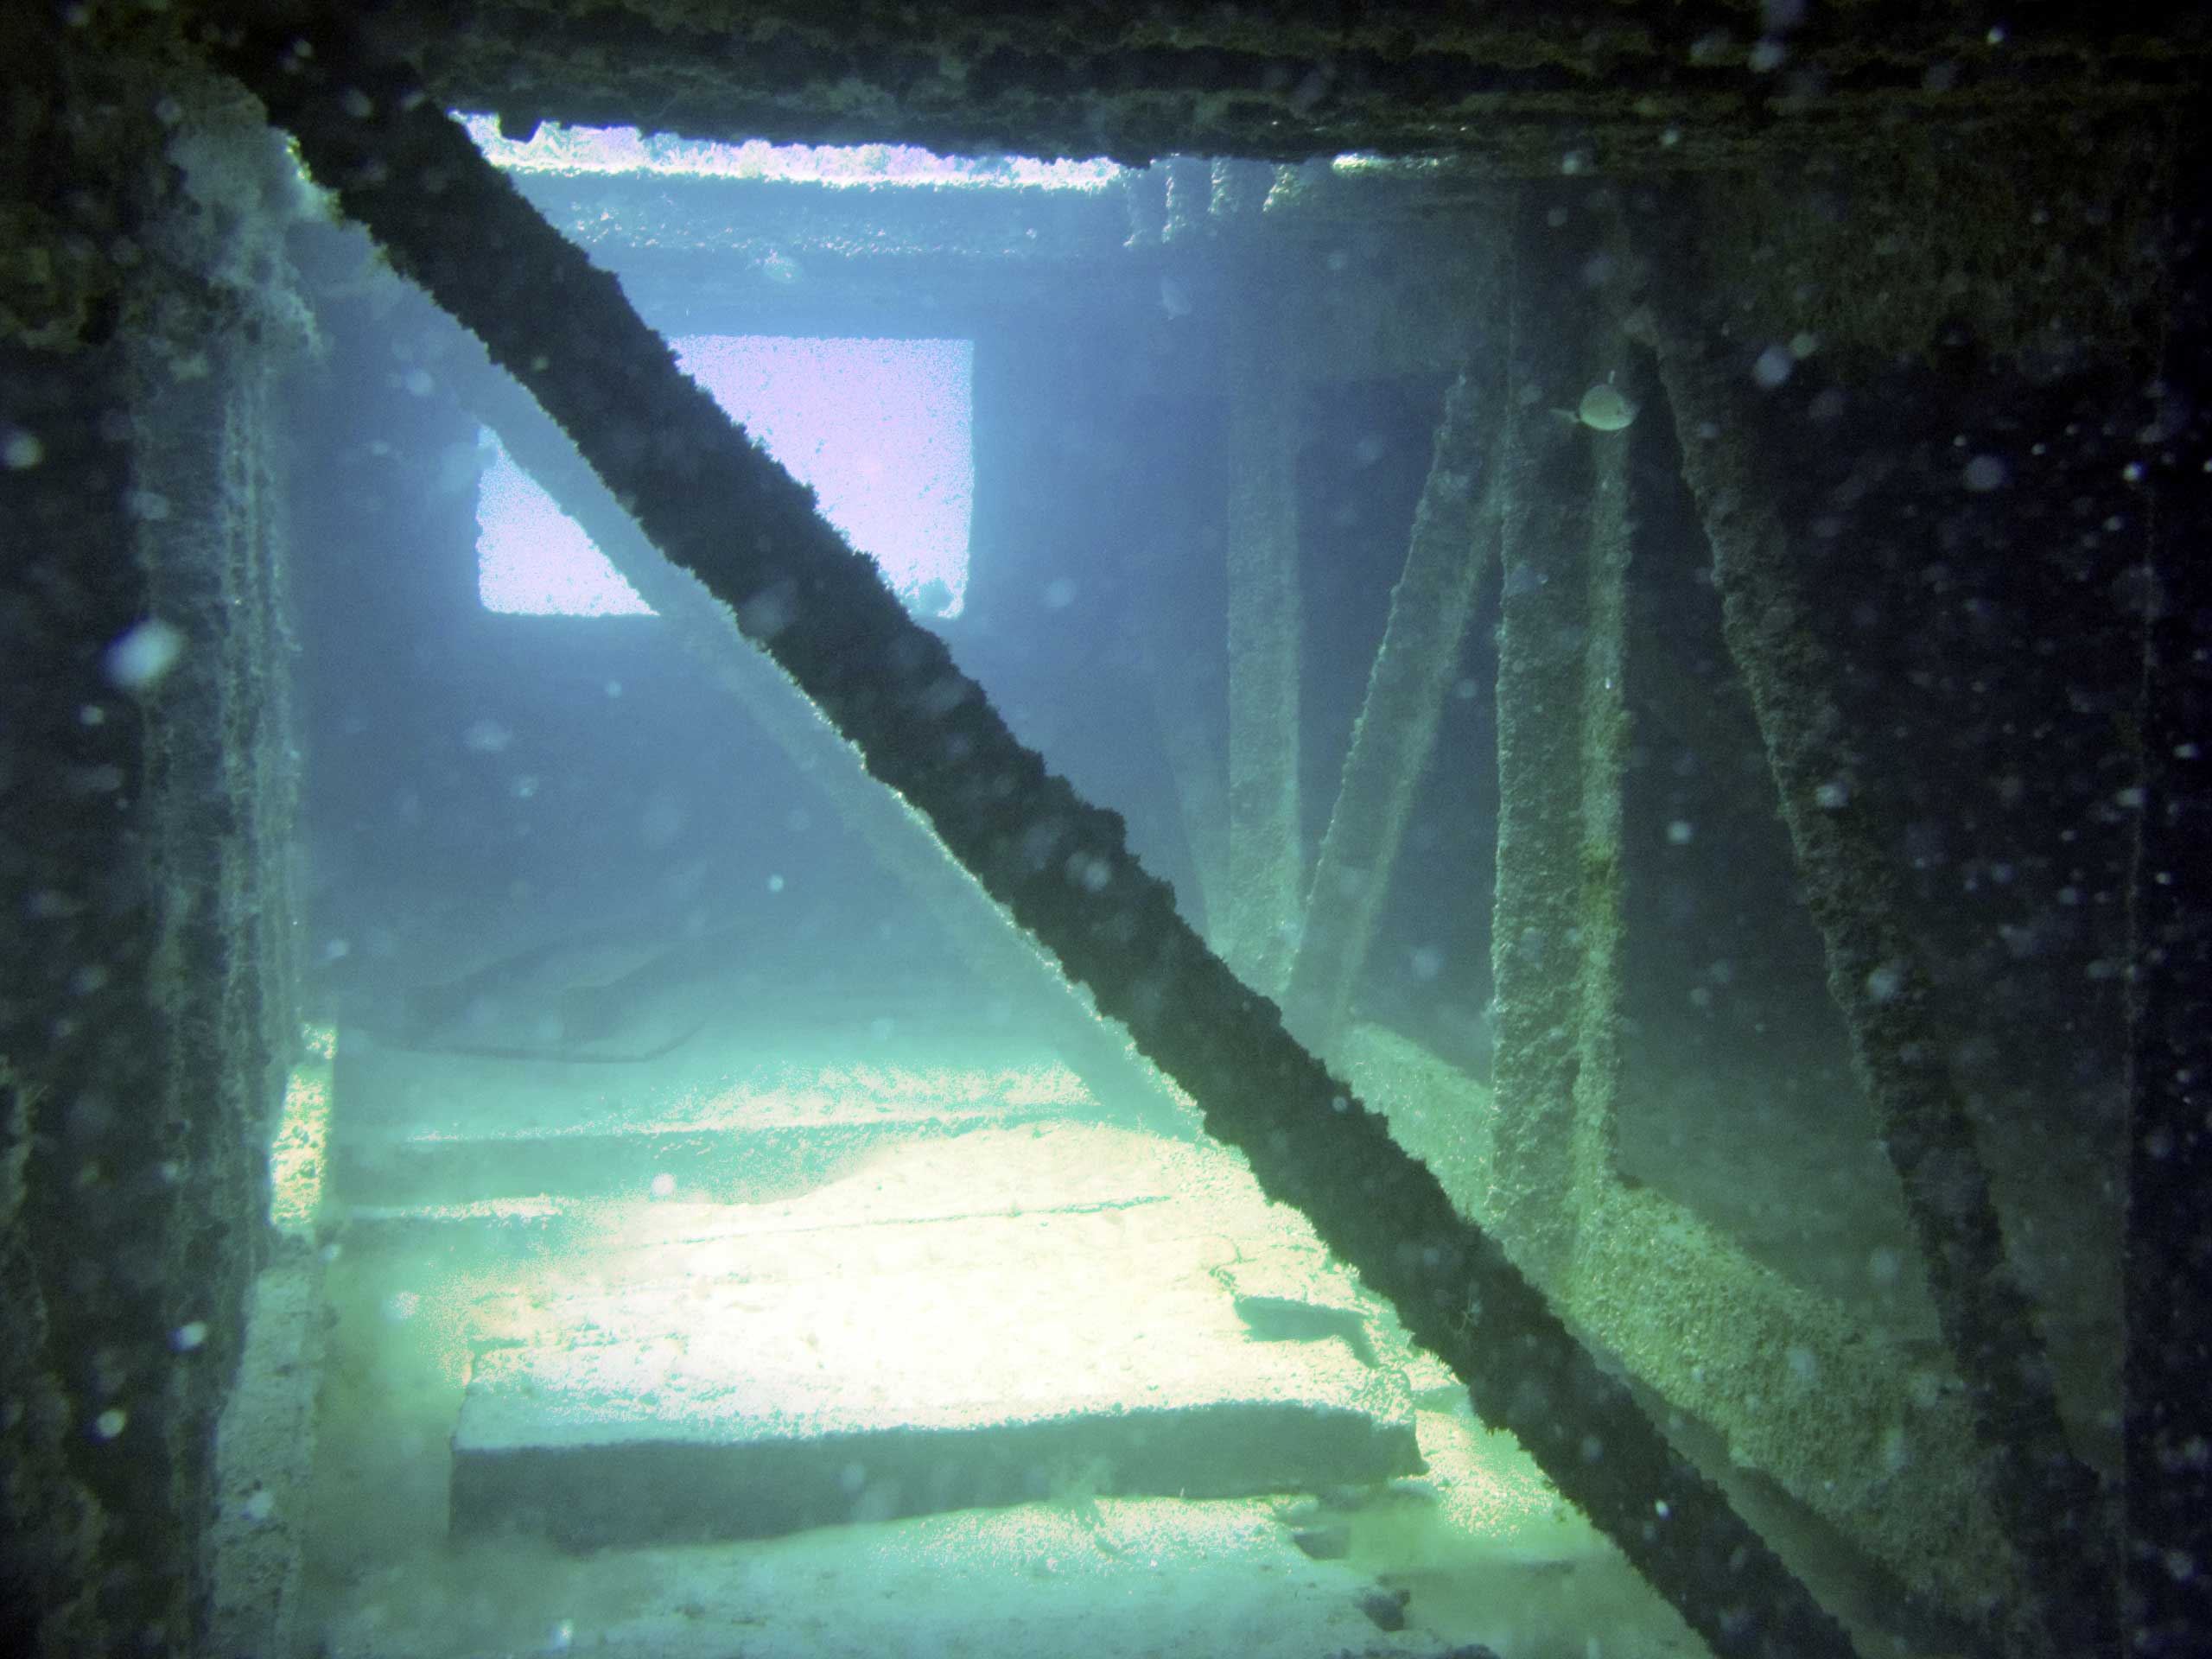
x=1603, y=407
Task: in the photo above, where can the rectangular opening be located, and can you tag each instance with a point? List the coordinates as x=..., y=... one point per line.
x=879, y=427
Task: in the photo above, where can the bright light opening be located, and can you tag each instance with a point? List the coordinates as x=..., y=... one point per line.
x=880, y=428
x=556, y=148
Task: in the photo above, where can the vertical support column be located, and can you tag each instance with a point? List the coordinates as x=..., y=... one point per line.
x=222, y=791
x=1560, y=723
x=1257, y=925
x=144, y=1011
x=1604, y=744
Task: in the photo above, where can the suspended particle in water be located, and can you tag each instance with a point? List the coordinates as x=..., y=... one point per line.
x=142, y=657
x=1983, y=473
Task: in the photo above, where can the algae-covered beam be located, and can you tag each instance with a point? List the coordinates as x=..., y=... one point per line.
x=720, y=508
x=2048, y=1500
x=1396, y=729
x=1561, y=724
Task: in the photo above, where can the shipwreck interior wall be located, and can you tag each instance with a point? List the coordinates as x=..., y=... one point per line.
x=150, y=783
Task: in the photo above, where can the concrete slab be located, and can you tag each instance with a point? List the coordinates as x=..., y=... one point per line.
x=433, y=1130
x=1013, y=1315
